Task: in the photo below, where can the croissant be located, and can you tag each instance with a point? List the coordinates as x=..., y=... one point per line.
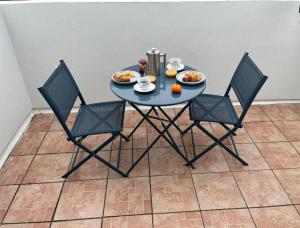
x=122, y=78
x=192, y=76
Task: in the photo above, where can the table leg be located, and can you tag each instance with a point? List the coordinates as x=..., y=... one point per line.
x=161, y=133
x=141, y=121
x=167, y=131
x=166, y=115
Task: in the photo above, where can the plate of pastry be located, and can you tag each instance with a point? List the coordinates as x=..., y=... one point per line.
x=190, y=77
x=126, y=77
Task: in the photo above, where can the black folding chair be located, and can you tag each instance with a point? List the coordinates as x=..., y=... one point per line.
x=246, y=83
x=61, y=93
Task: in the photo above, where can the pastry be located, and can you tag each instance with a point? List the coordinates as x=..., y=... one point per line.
x=124, y=76
x=192, y=76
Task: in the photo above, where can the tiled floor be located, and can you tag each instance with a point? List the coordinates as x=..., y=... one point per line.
x=161, y=191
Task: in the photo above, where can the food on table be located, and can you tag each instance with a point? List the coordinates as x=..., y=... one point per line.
x=171, y=73
x=192, y=76
x=176, y=88
x=151, y=78
x=124, y=76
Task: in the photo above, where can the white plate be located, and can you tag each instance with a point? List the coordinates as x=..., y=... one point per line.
x=180, y=76
x=181, y=67
x=150, y=88
x=132, y=80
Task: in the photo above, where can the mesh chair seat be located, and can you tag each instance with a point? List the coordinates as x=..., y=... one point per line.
x=106, y=117
x=213, y=108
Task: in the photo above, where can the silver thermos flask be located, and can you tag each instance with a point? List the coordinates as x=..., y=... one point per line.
x=153, y=65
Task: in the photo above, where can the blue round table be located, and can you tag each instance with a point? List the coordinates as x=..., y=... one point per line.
x=161, y=96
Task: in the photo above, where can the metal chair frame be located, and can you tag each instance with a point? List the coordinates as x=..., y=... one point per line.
x=77, y=140
x=230, y=131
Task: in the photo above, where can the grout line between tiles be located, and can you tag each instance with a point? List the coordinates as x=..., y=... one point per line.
x=6, y=212
x=104, y=201
x=197, y=200
x=235, y=179
x=19, y=185
x=149, y=172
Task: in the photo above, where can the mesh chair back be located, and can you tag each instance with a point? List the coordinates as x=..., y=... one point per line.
x=61, y=92
x=247, y=81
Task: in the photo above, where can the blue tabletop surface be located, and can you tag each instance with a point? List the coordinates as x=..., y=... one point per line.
x=162, y=95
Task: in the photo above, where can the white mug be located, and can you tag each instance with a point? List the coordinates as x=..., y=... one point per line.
x=175, y=63
x=144, y=83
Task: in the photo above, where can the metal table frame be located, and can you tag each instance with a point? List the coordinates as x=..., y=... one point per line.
x=161, y=133
x=161, y=97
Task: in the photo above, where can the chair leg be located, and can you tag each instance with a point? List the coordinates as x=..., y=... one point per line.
x=174, y=124
x=141, y=121
x=188, y=128
x=217, y=142
x=124, y=137
x=227, y=128
x=230, y=133
x=93, y=154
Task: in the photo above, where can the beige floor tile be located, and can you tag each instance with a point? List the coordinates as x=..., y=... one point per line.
x=281, y=112
x=290, y=180
x=87, y=223
x=34, y=203
x=137, y=221
x=184, y=119
x=132, y=118
x=217, y=191
x=29, y=143
x=254, y=114
x=227, y=218
x=296, y=145
x=93, y=141
x=127, y=196
x=140, y=138
x=200, y=138
x=279, y=155
x=56, y=142
x=14, y=169
x=241, y=136
x=261, y=188
x=181, y=220
x=6, y=195
x=170, y=112
x=279, y=217
x=166, y=161
x=298, y=208
x=213, y=161
x=92, y=169
x=140, y=170
x=48, y=168
x=290, y=129
x=40, y=123
x=27, y=225
x=124, y=144
x=173, y=194
x=250, y=154
x=56, y=126
x=152, y=134
x=264, y=132
x=81, y=199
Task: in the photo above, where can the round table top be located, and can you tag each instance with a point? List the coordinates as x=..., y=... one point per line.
x=162, y=95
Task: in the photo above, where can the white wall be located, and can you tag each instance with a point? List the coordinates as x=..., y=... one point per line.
x=96, y=39
x=15, y=104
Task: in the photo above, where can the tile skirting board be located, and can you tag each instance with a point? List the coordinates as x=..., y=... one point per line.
x=5, y=153
x=24, y=126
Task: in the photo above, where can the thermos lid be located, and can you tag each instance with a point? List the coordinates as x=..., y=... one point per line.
x=153, y=51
